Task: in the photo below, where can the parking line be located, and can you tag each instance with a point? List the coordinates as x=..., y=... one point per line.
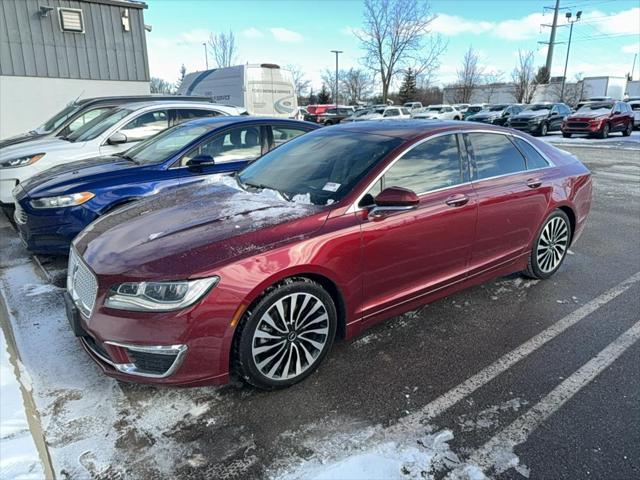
x=520, y=429
x=484, y=376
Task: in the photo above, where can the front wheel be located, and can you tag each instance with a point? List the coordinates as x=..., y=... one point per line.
x=604, y=133
x=286, y=335
x=550, y=247
x=544, y=129
x=627, y=131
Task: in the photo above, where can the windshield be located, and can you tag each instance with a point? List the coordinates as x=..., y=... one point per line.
x=496, y=108
x=474, y=109
x=539, y=106
x=98, y=125
x=379, y=111
x=434, y=109
x=595, y=106
x=360, y=113
x=164, y=145
x=324, y=164
x=58, y=119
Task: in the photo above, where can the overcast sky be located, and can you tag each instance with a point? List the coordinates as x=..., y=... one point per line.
x=302, y=32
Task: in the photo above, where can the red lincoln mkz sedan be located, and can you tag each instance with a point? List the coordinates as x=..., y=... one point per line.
x=319, y=239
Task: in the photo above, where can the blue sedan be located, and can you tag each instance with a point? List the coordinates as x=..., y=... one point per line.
x=53, y=207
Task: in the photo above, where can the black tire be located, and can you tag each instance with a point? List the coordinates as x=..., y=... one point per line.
x=544, y=129
x=604, y=133
x=627, y=131
x=328, y=123
x=566, y=135
x=244, y=363
x=534, y=267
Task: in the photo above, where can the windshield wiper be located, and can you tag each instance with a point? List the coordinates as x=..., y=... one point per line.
x=127, y=157
x=261, y=186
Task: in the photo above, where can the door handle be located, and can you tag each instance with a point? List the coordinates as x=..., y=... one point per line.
x=534, y=182
x=457, y=200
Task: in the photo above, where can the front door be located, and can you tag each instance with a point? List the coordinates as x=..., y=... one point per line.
x=511, y=200
x=409, y=254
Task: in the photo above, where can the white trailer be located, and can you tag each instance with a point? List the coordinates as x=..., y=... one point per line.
x=264, y=89
x=613, y=87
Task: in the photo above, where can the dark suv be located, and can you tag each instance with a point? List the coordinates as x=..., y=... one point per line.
x=496, y=114
x=334, y=115
x=600, y=119
x=540, y=118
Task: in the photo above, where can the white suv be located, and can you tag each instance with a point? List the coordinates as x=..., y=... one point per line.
x=634, y=103
x=439, y=112
x=385, y=113
x=113, y=131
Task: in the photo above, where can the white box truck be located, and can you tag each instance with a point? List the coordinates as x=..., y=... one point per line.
x=264, y=89
x=613, y=87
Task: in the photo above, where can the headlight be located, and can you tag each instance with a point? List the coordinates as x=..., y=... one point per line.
x=21, y=161
x=536, y=120
x=63, y=200
x=158, y=296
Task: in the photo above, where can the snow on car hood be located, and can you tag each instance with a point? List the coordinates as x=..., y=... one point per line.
x=190, y=230
x=43, y=145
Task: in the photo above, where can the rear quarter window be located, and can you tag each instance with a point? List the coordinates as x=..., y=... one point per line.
x=494, y=155
x=533, y=157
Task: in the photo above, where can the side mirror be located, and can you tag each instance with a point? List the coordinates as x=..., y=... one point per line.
x=506, y=114
x=196, y=163
x=117, y=139
x=393, y=199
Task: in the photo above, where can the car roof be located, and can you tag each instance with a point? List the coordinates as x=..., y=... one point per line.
x=176, y=104
x=120, y=99
x=247, y=120
x=411, y=129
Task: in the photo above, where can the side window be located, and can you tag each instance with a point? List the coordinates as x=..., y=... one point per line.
x=145, y=125
x=85, y=118
x=406, y=111
x=555, y=110
x=234, y=145
x=185, y=114
x=429, y=166
x=494, y=155
x=534, y=159
x=617, y=108
x=283, y=135
x=448, y=109
x=391, y=112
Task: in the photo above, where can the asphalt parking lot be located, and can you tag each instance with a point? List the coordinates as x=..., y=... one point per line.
x=518, y=378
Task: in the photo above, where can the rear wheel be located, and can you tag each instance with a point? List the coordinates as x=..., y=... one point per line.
x=550, y=247
x=604, y=133
x=627, y=131
x=286, y=335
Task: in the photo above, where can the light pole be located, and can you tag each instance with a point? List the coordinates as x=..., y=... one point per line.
x=337, y=52
x=566, y=62
x=206, y=55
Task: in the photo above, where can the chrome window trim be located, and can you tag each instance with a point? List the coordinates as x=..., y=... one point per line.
x=355, y=208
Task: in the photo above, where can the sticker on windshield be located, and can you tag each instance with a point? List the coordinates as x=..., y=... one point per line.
x=331, y=187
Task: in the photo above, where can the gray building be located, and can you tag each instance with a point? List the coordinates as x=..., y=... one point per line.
x=54, y=51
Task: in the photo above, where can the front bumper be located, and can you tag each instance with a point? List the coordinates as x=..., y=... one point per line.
x=582, y=127
x=50, y=231
x=529, y=127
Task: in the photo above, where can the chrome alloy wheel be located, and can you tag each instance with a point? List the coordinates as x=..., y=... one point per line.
x=290, y=336
x=552, y=245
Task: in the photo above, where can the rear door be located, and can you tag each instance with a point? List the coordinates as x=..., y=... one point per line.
x=512, y=201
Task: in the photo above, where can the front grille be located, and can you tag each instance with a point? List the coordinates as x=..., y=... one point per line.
x=20, y=216
x=578, y=124
x=519, y=124
x=81, y=284
x=153, y=363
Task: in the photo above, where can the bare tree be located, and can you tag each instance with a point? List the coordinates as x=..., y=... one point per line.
x=356, y=85
x=524, y=78
x=158, y=85
x=223, y=48
x=492, y=81
x=572, y=91
x=393, y=37
x=469, y=77
x=300, y=83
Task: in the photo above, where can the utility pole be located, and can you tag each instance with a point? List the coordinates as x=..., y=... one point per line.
x=552, y=37
x=564, y=76
x=206, y=55
x=337, y=52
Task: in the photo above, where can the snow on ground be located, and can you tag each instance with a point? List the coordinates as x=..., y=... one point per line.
x=615, y=140
x=20, y=459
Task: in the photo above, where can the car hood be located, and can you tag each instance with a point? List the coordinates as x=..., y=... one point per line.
x=43, y=145
x=531, y=114
x=21, y=138
x=187, y=232
x=590, y=115
x=485, y=115
x=372, y=116
x=67, y=177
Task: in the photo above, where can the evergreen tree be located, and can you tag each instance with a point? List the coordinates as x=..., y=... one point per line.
x=183, y=72
x=408, y=88
x=324, y=96
x=313, y=98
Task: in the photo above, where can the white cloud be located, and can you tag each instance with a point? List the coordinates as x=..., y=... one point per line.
x=520, y=29
x=626, y=22
x=351, y=31
x=632, y=48
x=285, y=35
x=195, y=36
x=252, y=33
x=455, y=25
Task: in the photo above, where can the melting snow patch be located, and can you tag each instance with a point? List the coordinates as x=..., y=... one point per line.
x=302, y=199
x=31, y=290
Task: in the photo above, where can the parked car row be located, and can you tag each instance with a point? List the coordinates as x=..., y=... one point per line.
x=237, y=245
